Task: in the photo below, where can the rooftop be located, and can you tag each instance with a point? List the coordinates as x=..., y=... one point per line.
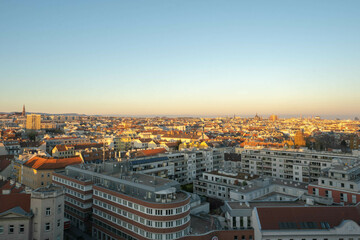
x=276, y=218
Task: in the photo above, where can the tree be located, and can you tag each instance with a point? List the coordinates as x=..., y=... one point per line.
x=32, y=135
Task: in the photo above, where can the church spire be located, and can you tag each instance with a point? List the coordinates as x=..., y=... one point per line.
x=23, y=111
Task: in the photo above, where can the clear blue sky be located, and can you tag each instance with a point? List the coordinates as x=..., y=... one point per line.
x=181, y=57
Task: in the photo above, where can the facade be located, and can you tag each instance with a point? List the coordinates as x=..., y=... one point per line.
x=13, y=147
x=52, y=142
x=340, y=183
x=33, y=122
x=37, y=172
x=246, y=187
x=125, y=205
x=184, y=166
x=29, y=215
x=47, y=204
x=297, y=165
x=15, y=216
x=63, y=151
x=306, y=223
x=238, y=214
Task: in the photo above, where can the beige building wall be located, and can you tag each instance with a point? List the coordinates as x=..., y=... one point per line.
x=70, y=152
x=36, y=178
x=33, y=121
x=48, y=207
x=20, y=225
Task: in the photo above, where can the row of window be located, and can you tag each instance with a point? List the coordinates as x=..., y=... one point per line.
x=11, y=229
x=138, y=230
x=136, y=218
x=77, y=203
x=69, y=183
x=342, y=185
x=76, y=194
x=141, y=208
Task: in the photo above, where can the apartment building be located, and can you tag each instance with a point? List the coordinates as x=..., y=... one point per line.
x=52, y=142
x=124, y=204
x=247, y=187
x=297, y=165
x=340, y=183
x=184, y=166
x=219, y=184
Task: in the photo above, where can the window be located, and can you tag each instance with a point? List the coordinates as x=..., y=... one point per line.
x=59, y=208
x=11, y=229
x=21, y=228
x=342, y=185
x=47, y=211
x=47, y=226
x=1, y=229
x=351, y=186
x=58, y=222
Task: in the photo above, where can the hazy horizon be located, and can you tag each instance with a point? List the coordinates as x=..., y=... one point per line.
x=330, y=117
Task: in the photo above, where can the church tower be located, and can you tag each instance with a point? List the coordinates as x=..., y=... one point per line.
x=23, y=111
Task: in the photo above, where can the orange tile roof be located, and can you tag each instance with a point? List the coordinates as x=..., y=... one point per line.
x=42, y=163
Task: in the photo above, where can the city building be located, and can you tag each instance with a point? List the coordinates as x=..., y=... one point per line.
x=63, y=151
x=247, y=187
x=121, y=204
x=340, y=183
x=52, y=142
x=29, y=215
x=184, y=166
x=291, y=164
x=33, y=122
x=37, y=172
x=47, y=204
x=308, y=223
x=238, y=214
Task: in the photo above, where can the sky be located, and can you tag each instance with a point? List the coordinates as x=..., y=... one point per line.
x=181, y=57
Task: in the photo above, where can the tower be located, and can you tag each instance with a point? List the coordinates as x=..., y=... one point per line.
x=23, y=111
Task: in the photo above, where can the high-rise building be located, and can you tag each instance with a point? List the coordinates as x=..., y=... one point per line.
x=33, y=122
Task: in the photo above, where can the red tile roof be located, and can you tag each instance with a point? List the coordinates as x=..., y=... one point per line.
x=41, y=163
x=12, y=200
x=4, y=163
x=5, y=185
x=272, y=217
x=150, y=152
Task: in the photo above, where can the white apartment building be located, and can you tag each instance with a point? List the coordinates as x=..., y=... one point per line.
x=297, y=165
x=247, y=187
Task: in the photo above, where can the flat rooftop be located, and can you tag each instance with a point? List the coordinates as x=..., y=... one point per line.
x=250, y=205
x=241, y=175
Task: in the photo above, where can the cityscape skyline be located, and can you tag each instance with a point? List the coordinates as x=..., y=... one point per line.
x=195, y=58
